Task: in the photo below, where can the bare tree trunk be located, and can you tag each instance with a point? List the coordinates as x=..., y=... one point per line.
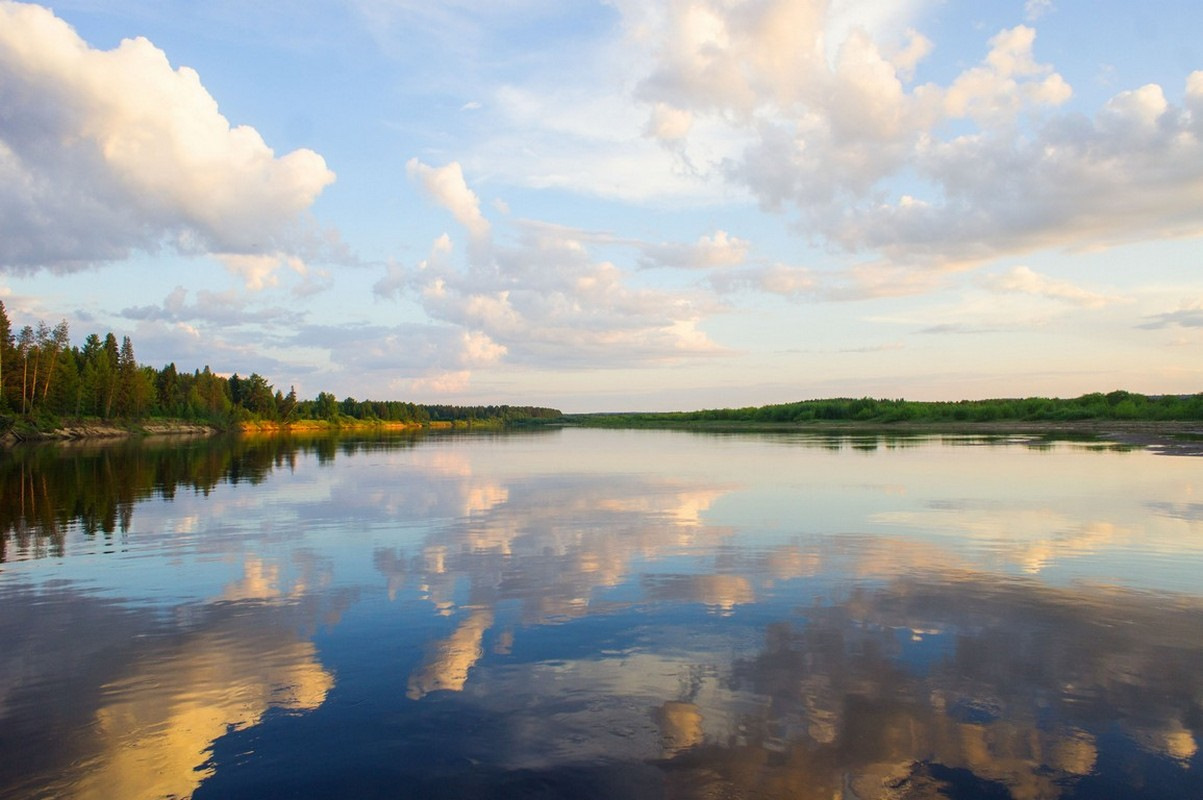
x=33, y=389
x=59, y=339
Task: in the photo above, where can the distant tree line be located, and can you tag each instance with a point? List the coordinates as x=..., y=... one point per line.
x=43, y=378
x=1117, y=405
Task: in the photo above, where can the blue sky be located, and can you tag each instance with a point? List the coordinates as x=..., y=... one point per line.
x=615, y=205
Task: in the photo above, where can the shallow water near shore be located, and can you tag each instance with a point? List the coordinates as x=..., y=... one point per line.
x=601, y=613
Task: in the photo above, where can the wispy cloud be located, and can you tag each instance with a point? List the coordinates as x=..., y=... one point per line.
x=719, y=249
x=218, y=309
x=1190, y=315
x=1035, y=9
x=1022, y=280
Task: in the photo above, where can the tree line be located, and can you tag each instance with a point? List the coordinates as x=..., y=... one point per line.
x=44, y=378
x=1116, y=405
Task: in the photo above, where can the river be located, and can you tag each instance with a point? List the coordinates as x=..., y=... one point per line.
x=596, y=613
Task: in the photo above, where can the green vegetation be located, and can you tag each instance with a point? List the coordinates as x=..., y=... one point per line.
x=1117, y=405
x=45, y=381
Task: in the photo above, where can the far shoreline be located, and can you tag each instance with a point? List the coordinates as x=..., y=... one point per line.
x=1170, y=436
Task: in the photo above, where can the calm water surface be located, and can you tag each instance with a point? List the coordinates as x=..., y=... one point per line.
x=585, y=613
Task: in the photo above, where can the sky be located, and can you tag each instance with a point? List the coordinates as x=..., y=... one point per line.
x=615, y=205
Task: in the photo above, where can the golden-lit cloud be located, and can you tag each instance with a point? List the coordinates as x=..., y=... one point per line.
x=133, y=153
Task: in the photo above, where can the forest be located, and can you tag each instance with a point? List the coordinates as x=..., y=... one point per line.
x=1115, y=405
x=44, y=379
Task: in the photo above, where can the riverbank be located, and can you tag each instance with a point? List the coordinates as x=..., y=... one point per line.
x=78, y=430
x=85, y=430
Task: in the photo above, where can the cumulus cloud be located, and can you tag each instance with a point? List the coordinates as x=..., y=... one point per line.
x=1133, y=172
x=103, y=153
x=1008, y=81
x=831, y=116
x=546, y=299
x=406, y=358
x=259, y=271
x=397, y=276
x=440, y=383
x=447, y=187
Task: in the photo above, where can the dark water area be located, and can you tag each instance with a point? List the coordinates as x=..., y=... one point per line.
x=595, y=614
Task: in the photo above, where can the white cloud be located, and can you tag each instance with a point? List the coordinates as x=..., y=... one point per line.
x=994, y=166
x=440, y=383
x=379, y=355
x=218, y=311
x=480, y=350
x=446, y=186
x=259, y=271
x=669, y=124
x=1022, y=280
x=106, y=152
x=546, y=300
x=397, y=276
x=1007, y=82
x=718, y=250
x=1035, y=9
x=1134, y=172
x=780, y=279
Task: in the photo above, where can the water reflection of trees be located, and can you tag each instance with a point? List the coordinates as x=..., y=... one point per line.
x=48, y=490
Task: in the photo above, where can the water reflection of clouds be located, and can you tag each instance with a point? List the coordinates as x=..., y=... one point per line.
x=551, y=545
x=552, y=542
x=448, y=660
x=1187, y=512
x=902, y=690
x=1028, y=538
x=150, y=696
x=157, y=723
x=607, y=615
x=1036, y=689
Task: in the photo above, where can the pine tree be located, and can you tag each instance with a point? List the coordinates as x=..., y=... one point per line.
x=25, y=343
x=6, y=354
x=110, y=360
x=127, y=375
